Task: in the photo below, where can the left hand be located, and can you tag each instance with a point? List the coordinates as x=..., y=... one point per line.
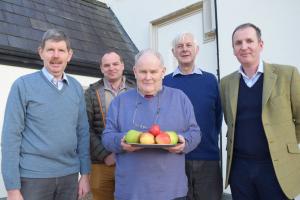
x=179, y=147
x=83, y=186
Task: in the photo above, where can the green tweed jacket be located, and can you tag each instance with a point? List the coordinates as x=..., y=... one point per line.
x=280, y=118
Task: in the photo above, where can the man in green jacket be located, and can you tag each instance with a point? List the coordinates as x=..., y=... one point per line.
x=261, y=104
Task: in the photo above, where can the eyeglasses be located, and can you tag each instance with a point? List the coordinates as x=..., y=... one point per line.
x=139, y=126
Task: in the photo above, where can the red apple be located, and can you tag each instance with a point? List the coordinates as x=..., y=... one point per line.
x=147, y=138
x=162, y=138
x=154, y=129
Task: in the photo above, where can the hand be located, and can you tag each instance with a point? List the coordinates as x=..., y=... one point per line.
x=83, y=186
x=179, y=147
x=110, y=160
x=14, y=195
x=129, y=147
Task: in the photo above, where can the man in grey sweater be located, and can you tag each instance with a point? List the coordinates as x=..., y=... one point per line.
x=45, y=138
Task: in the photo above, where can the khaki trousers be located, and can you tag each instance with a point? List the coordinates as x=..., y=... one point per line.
x=102, y=182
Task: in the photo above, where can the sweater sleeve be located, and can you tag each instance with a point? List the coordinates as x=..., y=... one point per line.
x=83, y=137
x=13, y=126
x=192, y=134
x=112, y=136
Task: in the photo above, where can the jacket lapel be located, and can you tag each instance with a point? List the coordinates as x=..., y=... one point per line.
x=233, y=93
x=270, y=78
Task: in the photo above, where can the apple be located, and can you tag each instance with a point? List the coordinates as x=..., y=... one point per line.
x=132, y=136
x=174, y=137
x=147, y=138
x=162, y=138
x=154, y=129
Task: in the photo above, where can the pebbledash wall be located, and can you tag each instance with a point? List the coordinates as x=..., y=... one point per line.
x=277, y=19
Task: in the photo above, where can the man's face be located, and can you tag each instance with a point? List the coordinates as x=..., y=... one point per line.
x=149, y=74
x=55, y=56
x=112, y=67
x=185, y=51
x=247, y=47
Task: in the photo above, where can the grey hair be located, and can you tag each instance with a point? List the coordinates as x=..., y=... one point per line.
x=57, y=36
x=181, y=36
x=150, y=51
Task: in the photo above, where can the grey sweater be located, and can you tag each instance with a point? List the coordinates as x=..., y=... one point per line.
x=45, y=130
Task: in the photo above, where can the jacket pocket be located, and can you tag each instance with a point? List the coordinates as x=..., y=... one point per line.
x=293, y=148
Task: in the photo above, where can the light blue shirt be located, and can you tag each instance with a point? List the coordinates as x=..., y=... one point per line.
x=57, y=83
x=251, y=81
x=195, y=71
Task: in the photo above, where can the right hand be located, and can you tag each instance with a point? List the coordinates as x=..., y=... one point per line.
x=14, y=195
x=110, y=160
x=129, y=147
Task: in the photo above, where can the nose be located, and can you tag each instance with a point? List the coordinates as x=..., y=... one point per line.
x=244, y=45
x=55, y=54
x=148, y=76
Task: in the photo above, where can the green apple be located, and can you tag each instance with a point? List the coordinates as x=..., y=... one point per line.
x=132, y=136
x=174, y=137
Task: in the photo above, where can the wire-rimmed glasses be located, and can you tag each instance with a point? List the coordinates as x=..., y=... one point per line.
x=141, y=126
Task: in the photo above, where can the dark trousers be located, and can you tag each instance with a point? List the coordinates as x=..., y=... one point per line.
x=254, y=180
x=60, y=188
x=204, y=180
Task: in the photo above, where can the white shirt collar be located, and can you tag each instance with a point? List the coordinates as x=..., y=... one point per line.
x=50, y=77
x=260, y=70
x=196, y=70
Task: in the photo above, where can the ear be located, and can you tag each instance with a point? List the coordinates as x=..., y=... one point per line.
x=163, y=71
x=70, y=55
x=134, y=71
x=40, y=51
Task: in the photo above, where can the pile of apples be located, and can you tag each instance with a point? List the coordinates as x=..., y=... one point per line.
x=153, y=136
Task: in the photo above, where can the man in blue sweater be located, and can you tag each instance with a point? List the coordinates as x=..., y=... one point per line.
x=202, y=164
x=45, y=138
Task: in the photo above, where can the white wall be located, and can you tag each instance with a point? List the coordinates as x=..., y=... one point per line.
x=9, y=74
x=135, y=16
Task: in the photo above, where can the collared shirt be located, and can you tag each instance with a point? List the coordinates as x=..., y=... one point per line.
x=110, y=93
x=251, y=81
x=57, y=83
x=196, y=70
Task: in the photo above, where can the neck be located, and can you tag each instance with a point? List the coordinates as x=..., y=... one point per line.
x=115, y=84
x=186, y=69
x=250, y=70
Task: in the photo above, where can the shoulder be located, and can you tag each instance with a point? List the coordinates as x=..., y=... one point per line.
x=28, y=78
x=169, y=76
x=229, y=77
x=281, y=69
x=130, y=83
x=174, y=92
x=94, y=86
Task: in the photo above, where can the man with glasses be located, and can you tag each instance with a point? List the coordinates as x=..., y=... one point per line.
x=145, y=173
x=98, y=97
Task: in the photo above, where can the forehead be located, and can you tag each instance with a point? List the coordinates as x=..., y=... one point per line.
x=247, y=32
x=51, y=43
x=148, y=61
x=187, y=38
x=110, y=57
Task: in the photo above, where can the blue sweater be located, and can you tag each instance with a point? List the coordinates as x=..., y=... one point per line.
x=150, y=174
x=203, y=91
x=45, y=130
x=249, y=131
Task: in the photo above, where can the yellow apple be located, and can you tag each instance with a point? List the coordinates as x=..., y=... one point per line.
x=147, y=138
